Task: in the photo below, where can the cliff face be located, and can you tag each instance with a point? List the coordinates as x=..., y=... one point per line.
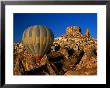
x=74, y=38
x=76, y=55
x=83, y=60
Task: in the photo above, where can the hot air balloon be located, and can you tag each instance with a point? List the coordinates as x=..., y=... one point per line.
x=38, y=40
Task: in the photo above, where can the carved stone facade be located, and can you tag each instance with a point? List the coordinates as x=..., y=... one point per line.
x=71, y=30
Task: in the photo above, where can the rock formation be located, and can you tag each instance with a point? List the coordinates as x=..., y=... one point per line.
x=77, y=55
x=88, y=32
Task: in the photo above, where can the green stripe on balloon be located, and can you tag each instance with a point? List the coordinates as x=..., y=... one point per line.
x=30, y=32
x=27, y=46
x=32, y=47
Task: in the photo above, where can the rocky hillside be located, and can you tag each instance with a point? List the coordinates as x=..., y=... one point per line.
x=73, y=53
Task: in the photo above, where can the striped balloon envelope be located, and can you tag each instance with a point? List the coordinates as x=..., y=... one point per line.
x=38, y=40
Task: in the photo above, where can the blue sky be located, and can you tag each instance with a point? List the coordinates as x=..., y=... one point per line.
x=57, y=22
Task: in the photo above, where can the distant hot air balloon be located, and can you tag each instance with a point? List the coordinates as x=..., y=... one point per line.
x=38, y=40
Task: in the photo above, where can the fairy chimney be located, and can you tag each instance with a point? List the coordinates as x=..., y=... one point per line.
x=69, y=30
x=72, y=29
x=87, y=32
x=76, y=29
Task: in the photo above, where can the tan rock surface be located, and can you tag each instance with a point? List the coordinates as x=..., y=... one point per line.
x=77, y=55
